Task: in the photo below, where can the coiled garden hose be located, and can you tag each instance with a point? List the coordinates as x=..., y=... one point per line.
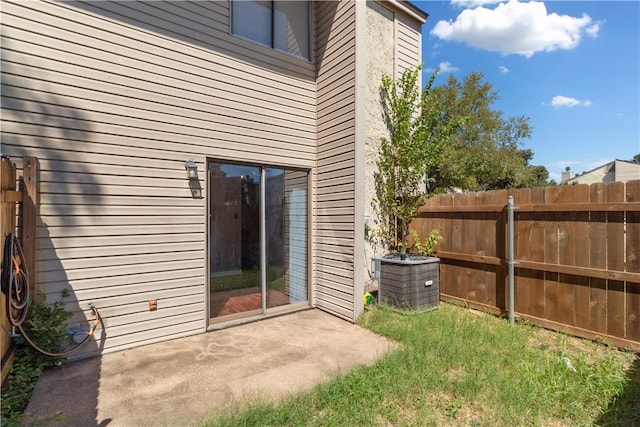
x=15, y=285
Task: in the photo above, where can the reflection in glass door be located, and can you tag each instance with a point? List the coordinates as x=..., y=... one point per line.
x=234, y=234
x=286, y=236
x=258, y=239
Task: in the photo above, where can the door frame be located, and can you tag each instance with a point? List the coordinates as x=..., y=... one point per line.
x=263, y=312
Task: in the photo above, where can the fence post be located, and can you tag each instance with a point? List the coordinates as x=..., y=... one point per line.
x=29, y=217
x=510, y=260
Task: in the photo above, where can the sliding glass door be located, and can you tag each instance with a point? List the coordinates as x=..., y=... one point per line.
x=258, y=245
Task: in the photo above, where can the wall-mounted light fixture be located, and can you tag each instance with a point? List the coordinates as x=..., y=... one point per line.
x=192, y=169
x=194, y=181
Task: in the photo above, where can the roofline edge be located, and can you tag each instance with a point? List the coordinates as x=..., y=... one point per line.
x=411, y=10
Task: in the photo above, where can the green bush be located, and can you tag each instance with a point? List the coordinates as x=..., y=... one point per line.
x=46, y=327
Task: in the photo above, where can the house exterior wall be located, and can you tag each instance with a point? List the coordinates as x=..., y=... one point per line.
x=617, y=170
x=113, y=97
x=380, y=40
x=335, y=201
x=393, y=45
x=627, y=171
x=408, y=42
x=381, y=60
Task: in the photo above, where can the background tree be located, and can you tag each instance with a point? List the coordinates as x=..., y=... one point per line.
x=636, y=158
x=485, y=153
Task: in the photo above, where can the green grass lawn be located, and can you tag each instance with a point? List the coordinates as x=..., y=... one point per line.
x=248, y=279
x=463, y=368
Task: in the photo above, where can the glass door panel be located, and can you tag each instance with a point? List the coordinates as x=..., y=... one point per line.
x=258, y=241
x=234, y=233
x=286, y=236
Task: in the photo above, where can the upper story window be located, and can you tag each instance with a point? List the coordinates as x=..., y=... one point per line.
x=283, y=25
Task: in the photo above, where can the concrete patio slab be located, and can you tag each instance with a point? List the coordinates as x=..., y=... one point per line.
x=188, y=380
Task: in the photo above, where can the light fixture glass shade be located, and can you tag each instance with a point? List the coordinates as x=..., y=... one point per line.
x=192, y=169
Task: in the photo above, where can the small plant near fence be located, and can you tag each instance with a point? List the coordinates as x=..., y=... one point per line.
x=426, y=247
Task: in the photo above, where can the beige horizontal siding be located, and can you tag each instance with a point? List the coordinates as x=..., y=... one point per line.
x=338, y=173
x=135, y=303
x=116, y=253
x=105, y=242
x=333, y=206
x=130, y=310
x=89, y=271
x=113, y=97
x=335, y=167
x=212, y=39
x=337, y=256
x=85, y=265
x=91, y=99
x=98, y=287
x=186, y=64
x=175, y=283
x=408, y=43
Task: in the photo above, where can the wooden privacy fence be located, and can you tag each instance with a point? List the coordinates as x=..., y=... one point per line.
x=577, y=251
x=26, y=196
x=7, y=220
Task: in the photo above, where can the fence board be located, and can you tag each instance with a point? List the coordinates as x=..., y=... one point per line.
x=632, y=255
x=632, y=264
x=446, y=271
x=614, y=192
x=499, y=248
x=566, y=256
x=28, y=217
x=468, y=231
x=598, y=259
x=581, y=229
x=551, y=289
x=537, y=255
x=633, y=311
x=484, y=274
x=522, y=229
x=8, y=212
x=456, y=246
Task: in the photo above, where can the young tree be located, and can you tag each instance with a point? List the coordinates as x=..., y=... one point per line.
x=417, y=135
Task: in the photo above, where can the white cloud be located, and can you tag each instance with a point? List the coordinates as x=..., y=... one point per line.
x=473, y=3
x=564, y=101
x=561, y=164
x=521, y=28
x=444, y=66
x=554, y=176
x=590, y=164
x=559, y=101
x=503, y=69
x=577, y=166
x=594, y=29
x=447, y=67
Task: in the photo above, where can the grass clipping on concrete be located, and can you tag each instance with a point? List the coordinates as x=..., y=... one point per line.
x=461, y=367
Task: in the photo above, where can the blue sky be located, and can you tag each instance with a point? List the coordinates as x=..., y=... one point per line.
x=572, y=67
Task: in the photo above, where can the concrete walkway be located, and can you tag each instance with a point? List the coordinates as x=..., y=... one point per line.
x=185, y=381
